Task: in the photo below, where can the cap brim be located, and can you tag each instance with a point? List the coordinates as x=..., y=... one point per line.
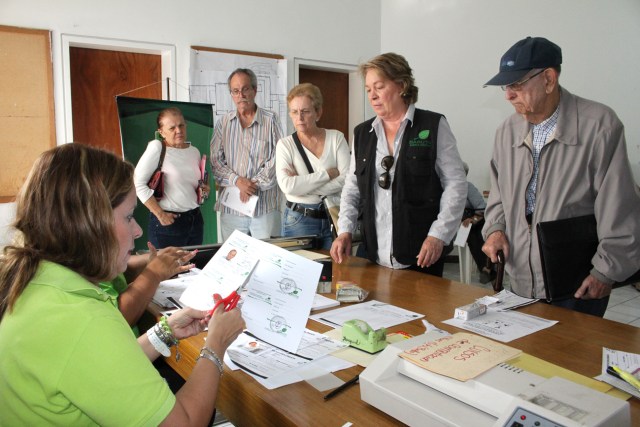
x=505, y=78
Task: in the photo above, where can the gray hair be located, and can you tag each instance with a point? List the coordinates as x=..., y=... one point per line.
x=248, y=72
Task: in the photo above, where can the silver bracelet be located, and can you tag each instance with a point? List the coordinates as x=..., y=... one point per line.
x=209, y=354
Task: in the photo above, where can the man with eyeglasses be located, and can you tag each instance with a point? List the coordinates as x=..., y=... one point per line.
x=559, y=156
x=243, y=155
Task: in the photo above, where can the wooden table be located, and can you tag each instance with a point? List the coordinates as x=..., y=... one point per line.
x=575, y=343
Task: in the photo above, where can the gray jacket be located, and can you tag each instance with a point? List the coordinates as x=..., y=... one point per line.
x=584, y=170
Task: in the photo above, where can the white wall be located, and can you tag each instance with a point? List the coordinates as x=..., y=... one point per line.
x=335, y=31
x=454, y=47
x=328, y=30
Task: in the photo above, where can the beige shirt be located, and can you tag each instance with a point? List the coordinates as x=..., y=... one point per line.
x=584, y=170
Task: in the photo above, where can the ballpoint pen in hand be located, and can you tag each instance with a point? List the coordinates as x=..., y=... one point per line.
x=624, y=375
x=342, y=387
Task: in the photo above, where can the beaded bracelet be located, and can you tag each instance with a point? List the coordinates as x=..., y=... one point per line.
x=157, y=343
x=163, y=331
x=164, y=323
x=207, y=353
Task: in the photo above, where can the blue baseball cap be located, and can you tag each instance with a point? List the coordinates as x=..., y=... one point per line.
x=525, y=55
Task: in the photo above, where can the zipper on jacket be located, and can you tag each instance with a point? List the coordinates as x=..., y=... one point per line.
x=533, y=282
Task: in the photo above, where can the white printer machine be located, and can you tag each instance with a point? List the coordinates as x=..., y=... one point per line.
x=503, y=396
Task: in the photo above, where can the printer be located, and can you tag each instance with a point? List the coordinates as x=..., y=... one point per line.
x=502, y=396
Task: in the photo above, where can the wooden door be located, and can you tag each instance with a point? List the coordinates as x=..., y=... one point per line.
x=335, y=93
x=97, y=77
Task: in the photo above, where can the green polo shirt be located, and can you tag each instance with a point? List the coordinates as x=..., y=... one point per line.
x=68, y=357
x=114, y=288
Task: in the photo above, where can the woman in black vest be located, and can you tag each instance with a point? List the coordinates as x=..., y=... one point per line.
x=406, y=183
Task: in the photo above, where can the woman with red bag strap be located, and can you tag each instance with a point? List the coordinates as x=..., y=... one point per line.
x=175, y=219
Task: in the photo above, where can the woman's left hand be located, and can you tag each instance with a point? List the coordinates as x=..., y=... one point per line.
x=430, y=251
x=187, y=322
x=169, y=262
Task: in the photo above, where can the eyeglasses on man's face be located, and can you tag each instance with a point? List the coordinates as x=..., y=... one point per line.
x=517, y=86
x=384, y=180
x=243, y=91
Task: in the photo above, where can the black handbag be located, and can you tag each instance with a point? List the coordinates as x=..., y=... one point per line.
x=566, y=249
x=156, y=182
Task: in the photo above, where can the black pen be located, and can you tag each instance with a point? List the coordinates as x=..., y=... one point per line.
x=342, y=387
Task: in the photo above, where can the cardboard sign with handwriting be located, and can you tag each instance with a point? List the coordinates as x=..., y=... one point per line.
x=461, y=356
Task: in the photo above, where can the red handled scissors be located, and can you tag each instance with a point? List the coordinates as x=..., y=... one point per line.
x=229, y=302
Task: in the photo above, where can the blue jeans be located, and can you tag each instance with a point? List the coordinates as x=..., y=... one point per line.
x=295, y=224
x=260, y=227
x=186, y=230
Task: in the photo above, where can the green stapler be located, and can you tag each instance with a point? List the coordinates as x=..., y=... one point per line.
x=358, y=334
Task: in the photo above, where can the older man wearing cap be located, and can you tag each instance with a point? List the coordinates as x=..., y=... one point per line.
x=559, y=156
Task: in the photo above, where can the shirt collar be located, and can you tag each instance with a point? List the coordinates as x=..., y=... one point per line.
x=67, y=280
x=258, y=118
x=407, y=116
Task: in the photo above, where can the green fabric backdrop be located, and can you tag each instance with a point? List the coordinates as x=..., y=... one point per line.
x=137, y=127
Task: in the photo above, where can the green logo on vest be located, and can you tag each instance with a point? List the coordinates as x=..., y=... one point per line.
x=421, y=140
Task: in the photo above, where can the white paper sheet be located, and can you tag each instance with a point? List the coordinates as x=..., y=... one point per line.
x=377, y=314
x=320, y=302
x=503, y=326
x=231, y=199
x=265, y=360
x=279, y=295
x=173, y=288
x=505, y=300
x=629, y=362
x=462, y=236
x=325, y=364
x=230, y=268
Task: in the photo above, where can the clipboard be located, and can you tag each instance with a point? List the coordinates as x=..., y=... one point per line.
x=566, y=249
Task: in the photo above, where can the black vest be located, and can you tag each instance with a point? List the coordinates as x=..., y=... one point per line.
x=416, y=186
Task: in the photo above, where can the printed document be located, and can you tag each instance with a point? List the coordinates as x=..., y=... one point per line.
x=505, y=300
x=231, y=199
x=377, y=314
x=280, y=293
x=228, y=270
x=629, y=362
x=265, y=360
x=503, y=326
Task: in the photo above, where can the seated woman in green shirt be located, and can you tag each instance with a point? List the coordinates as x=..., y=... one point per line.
x=67, y=355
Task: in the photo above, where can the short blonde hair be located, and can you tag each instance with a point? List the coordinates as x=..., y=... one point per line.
x=394, y=67
x=309, y=90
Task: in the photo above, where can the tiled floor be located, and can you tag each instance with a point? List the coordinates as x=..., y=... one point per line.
x=624, y=303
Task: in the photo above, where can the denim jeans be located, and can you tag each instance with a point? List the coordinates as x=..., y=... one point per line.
x=296, y=224
x=187, y=230
x=260, y=227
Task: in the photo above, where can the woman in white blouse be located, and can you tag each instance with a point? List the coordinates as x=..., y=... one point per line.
x=328, y=154
x=175, y=219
